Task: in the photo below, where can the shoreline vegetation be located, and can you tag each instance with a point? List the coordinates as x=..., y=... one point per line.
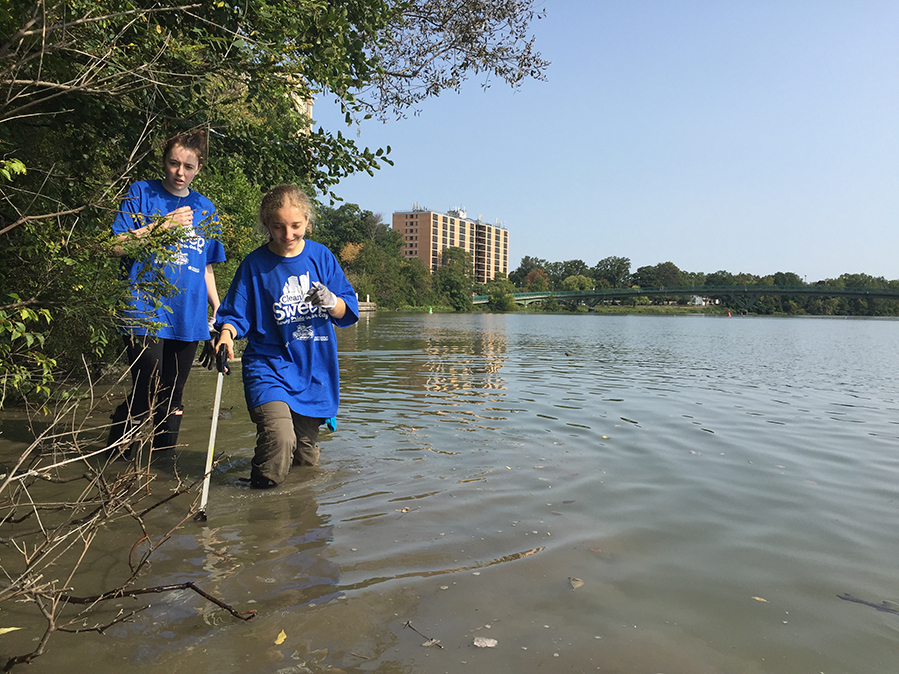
x=582, y=309
x=616, y=310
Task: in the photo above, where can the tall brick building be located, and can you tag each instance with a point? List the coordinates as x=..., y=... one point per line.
x=427, y=233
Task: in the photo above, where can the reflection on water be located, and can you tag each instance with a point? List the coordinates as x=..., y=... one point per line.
x=714, y=485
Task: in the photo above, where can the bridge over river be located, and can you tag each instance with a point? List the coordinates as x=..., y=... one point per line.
x=742, y=296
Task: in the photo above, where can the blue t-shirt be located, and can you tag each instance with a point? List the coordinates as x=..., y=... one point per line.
x=291, y=352
x=148, y=200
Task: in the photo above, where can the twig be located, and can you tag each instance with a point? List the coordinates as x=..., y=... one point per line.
x=122, y=617
x=429, y=641
x=117, y=594
x=62, y=531
x=882, y=606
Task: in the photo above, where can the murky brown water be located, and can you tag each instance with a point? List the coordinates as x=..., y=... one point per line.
x=713, y=483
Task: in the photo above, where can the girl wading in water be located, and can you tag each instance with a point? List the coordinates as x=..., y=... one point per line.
x=160, y=361
x=285, y=300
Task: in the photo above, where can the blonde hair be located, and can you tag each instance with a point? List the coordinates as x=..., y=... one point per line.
x=281, y=196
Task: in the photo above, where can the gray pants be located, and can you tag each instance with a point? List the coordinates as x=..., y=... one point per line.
x=283, y=437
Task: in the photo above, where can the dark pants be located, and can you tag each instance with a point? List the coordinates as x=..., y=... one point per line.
x=282, y=437
x=159, y=370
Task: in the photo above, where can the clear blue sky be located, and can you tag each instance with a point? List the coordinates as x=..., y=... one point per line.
x=754, y=136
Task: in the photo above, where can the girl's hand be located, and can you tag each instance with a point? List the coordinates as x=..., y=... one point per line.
x=226, y=337
x=180, y=217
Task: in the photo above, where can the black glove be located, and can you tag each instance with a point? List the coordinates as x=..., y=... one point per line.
x=207, y=355
x=221, y=360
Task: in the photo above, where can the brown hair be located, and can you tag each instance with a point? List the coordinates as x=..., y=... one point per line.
x=281, y=196
x=195, y=141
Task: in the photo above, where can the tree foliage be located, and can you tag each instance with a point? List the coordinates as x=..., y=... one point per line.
x=536, y=281
x=573, y=268
x=500, y=291
x=437, y=44
x=536, y=274
x=453, y=280
x=662, y=274
x=615, y=271
x=526, y=266
x=577, y=282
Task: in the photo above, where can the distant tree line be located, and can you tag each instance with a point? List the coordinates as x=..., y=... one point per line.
x=535, y=274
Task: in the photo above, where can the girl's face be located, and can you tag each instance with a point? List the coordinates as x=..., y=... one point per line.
x=181, y=165
x=287, y=227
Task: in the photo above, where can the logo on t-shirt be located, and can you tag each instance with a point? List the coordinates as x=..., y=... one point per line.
x=294, y=291
x=291, y=307
x=303, y=333
x=190, y=240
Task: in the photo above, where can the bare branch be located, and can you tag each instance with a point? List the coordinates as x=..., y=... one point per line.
x=117, y=594
x=95, y=19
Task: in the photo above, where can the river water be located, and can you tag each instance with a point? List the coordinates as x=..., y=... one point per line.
x=684, y=495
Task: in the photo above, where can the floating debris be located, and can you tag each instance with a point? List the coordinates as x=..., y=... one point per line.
x=485, y=642
x=575, y=582
x=477, y=477
x=440, y=572
x=885, y=606
x=427, y=644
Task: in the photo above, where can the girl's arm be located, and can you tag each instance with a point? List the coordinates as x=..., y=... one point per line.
x=339, y=309
x=180, y=217
x=212, y=293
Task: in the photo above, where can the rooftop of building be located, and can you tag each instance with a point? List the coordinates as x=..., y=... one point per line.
x=453, y=213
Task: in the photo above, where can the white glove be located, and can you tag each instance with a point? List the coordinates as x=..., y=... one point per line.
x=320, y=296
